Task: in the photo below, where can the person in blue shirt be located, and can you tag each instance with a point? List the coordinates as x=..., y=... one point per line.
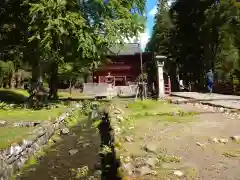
x=209, y=76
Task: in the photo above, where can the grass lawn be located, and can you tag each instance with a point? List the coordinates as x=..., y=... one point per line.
x=75, y=95
x=13, y=115
x=15, y=96
x=12, y=135
x=18, y=96
x=151, y=106
x=139, y=113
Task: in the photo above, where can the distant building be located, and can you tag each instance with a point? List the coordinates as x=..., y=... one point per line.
x=123, y=65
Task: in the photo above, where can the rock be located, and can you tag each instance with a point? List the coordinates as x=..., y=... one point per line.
x=98, y=166
x=118, y=111
x=73, y=135
x=126, y=159
x=224, y=141
x=15, y=149
x=72, y=152
x=215, y=140
x=128, y=169
x=117, y=130
x=235, y=138
x=65, y=131
x=199, y=144
x=128, y=139
x=98, y=173
x=2, y=123
x=221, y=109
x=120, y=118
x=144, y=170
x=178, y=173
x=175, y=113
x=32, y=169
x=78, y=105
x=151, y=162
x=150, y=148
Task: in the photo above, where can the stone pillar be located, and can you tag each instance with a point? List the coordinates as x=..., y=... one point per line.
x=161, y=87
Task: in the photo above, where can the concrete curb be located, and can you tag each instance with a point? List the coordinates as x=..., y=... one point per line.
x=185, y=100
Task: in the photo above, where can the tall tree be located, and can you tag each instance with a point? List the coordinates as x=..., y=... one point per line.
x=81, y=30
x=203, y=35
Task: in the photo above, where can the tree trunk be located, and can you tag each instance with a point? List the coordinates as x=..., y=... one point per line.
x=11, y=81
x=53, y=82
x=37, y=73
x=37, y=81
x=70, y=88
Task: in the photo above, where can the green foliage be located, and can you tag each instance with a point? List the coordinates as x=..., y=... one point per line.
x=70, y=34
x=6, y=70
x=82, y=30
x=197, y=35
x=80, y=172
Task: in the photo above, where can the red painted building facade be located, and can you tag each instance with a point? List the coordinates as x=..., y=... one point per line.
x=122, y=68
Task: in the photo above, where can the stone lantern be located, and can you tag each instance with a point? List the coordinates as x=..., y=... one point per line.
x=160, y=65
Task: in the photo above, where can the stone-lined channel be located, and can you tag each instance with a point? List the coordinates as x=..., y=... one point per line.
x=69, y=155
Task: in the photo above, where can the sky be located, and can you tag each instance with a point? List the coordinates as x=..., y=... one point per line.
x=151, y=9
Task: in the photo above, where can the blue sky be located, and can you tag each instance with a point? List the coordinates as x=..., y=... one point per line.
x=151, y=8
x=150, y=11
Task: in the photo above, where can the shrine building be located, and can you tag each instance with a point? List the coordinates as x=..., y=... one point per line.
x=122, y=66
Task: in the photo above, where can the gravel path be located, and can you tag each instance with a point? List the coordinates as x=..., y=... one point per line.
x=193, y=142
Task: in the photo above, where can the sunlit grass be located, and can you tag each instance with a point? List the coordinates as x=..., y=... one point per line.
x=12, y=135
x=13, y=115
x=151, y=106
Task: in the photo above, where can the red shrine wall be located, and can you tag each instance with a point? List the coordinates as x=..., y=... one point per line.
x=127, y=67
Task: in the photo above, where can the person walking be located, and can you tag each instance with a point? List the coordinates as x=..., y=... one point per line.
x=209, y=76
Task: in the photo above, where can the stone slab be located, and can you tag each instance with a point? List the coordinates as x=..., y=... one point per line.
x=226, y=101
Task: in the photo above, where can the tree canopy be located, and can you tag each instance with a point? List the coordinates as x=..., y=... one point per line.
x=198, y=35
x=50, y=34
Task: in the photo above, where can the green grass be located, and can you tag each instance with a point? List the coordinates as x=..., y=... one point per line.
x=19, y=96
x=13, y=115
x=16, y=96
x=151, y=106
x=232, y=153
x=164, y=158
x=22, y=92
x=75, y=95
x=157, y=110
x=12, y=135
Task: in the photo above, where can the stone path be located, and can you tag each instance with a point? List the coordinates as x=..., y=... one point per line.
x=227, y=101
x=198, y=149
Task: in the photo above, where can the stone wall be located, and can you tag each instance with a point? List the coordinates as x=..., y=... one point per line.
x=98, y=89
x=110, y=131
x=107, y=90
x=14, y=158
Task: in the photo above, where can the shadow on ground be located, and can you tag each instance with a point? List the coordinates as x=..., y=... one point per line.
x=10, y=97
x=109, y=161
x=57, y=164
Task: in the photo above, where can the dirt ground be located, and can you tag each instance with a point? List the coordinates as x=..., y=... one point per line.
x=183, y=144
x=192, y=142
